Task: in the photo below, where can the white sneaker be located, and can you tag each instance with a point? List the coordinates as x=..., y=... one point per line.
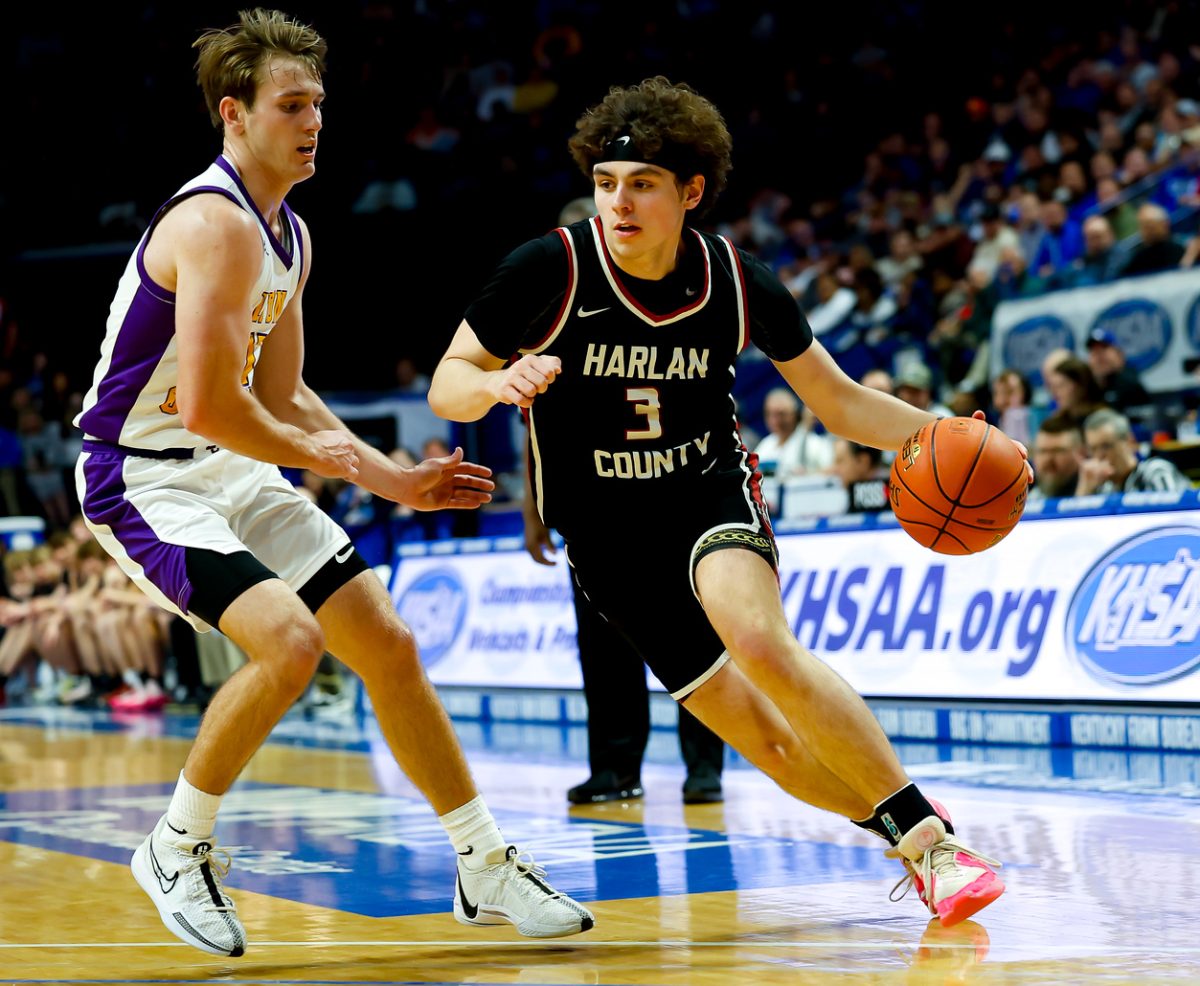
x=510, y=887
x=183, y=879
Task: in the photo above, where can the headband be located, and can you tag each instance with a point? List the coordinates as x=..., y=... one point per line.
x=683, y=161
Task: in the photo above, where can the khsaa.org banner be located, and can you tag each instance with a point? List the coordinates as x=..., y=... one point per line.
x=1156, y=320
x=1072, y=608
x=1088, y=608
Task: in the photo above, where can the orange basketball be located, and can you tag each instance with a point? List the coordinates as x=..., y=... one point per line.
x=958, y=486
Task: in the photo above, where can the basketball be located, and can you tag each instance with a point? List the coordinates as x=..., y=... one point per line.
x=958, y=486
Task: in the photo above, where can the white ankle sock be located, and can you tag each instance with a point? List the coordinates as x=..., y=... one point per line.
x=192, y=812
x=472, y=829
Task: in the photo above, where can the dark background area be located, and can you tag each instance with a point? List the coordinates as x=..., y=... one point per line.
x=105, y=121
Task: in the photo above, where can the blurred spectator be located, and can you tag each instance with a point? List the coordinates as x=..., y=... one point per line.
x=577, y=210
x=1100, y=261
x=1060, y=245
x=1074, y=390
x=997, y=235
x=791, y=448
x=1013, y=279
x=12, y=459
x=1026, y=216
x=1112, y=464
x=861, y=470
x=902, y=259
x=1121, y=215
x=1179, y=185
x=1119, y=385
x=835, y=302
x=914, y=385
x=1011, y=395
x=41, y=443
x=1057, y=455
x=1157, y=251
x=1050, y=361
x=408, y=379
x=878, y=380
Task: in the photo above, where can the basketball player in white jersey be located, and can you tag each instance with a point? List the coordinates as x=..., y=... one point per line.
x=197, y=400
x=618, y=335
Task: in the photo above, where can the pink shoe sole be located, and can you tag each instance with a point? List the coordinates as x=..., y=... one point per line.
x=970, y=900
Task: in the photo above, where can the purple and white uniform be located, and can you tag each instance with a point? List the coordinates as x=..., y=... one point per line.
x=149, y=487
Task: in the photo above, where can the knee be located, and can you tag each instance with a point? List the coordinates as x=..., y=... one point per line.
x=294, y=652
x=778, y=756
x=394, y=651
x=403, y=644
x=759, y=644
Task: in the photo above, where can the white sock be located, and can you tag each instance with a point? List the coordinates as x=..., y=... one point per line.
x=472, y=830
x=192, y=812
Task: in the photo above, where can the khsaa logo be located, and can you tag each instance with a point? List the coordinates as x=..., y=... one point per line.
x=435, y=606
x=1142, y=327
x=1136, y=615
x=1029, y=342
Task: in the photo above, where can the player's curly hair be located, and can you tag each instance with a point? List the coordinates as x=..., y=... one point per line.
x=230, y=58
x=662, y=118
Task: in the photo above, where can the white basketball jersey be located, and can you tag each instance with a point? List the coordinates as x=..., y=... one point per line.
x=132, y=399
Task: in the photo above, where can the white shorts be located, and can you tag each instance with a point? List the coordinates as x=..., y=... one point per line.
x=145, y=512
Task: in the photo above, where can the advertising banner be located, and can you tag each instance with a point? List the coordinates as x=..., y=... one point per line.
x=1156, y=319
x=1084, y=608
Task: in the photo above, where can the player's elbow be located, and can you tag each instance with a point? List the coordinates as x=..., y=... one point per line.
x=202, y=417
x=447, y=403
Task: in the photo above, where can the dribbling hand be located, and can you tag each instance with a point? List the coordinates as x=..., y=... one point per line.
x=336, y=457
x=526, y=378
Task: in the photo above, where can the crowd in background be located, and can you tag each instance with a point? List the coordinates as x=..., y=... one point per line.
x=903, y=173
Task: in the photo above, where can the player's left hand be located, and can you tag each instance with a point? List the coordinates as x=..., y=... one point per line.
x=448, y=483
x=979, y=415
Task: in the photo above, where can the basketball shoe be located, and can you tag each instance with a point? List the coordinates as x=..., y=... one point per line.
x=952, y=880
x=183, y=878
x=508, y=886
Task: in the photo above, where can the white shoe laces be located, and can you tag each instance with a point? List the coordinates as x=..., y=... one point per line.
x=939, y=859
x=524, y=863
x=220, y=869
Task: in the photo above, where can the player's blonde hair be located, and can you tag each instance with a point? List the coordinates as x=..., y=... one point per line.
x=231, y=58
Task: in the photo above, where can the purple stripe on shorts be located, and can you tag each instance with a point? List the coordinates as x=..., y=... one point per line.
x=145, y=334
x=104, y=504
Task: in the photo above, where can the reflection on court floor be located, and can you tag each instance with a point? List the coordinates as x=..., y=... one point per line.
x=343, y=874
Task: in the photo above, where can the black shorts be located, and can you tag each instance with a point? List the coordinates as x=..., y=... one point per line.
x=641, y=577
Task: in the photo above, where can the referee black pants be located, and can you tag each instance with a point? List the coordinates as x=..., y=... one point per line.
x=618, y=724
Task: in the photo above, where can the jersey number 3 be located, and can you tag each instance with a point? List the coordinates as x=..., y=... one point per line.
x=645, y=401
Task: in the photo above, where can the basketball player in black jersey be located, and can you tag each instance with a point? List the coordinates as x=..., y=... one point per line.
x=618, y=336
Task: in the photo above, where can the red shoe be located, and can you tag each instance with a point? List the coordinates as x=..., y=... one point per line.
x=952, y=880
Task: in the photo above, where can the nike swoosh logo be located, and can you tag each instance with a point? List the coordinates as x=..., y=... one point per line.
x=470, y=849
x=469, y=909
x=341, y=556
x=166, y=883
x=622, y=140
x=689, y=291
x=583, y=313
x=174, y=829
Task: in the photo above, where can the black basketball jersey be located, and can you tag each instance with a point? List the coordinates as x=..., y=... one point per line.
x=641, y=416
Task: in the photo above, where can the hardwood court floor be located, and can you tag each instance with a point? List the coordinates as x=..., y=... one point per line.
x=342, y=874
